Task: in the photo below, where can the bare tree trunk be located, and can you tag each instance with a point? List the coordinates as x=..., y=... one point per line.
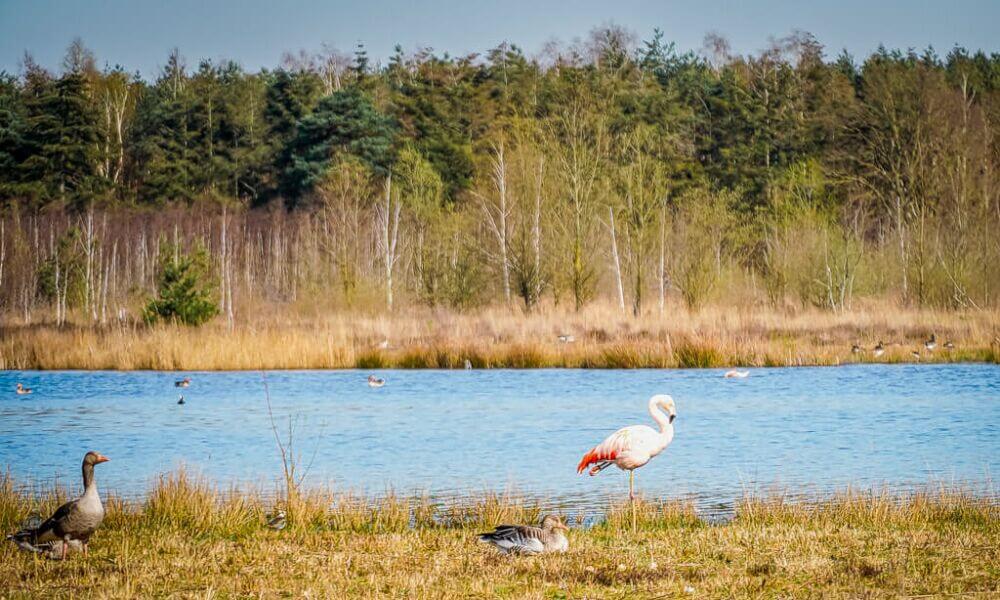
x=388, y=222
x=614, y=254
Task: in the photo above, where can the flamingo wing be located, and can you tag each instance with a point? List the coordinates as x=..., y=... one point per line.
x=611, y=448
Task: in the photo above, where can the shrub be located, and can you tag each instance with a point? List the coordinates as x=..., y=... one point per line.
x=185, y=288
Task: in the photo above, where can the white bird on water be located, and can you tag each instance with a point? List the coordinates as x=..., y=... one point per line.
x=632, y=447
x=375, y=382
x=734, y=374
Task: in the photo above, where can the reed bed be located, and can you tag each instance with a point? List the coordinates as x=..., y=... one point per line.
x=602, y=337
x=186, y=538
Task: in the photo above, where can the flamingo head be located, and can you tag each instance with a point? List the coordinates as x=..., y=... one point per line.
x=666, y=403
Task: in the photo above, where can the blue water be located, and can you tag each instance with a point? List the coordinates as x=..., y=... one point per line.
x=450, y=433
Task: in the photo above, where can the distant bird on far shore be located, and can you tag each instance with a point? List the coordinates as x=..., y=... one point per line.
x=277, y=521
x=949, y=346
x=915, y=354
x=566, y=338
x=21, y=390
x=734, y=374
x=375, y=382
x=180, y=400
x=384, y=344
x=878, y=350
x=183, y=383
x=855, y=349
x=931, y=343
x=468, y=364
x=525, y=539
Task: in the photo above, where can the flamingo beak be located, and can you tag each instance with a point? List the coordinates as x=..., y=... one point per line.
x=101, y=458
x=672, y=417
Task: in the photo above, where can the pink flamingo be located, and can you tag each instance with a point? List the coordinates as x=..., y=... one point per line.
x=632, y=447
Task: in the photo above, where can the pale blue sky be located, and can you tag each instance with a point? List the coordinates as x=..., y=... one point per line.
x=138, y=34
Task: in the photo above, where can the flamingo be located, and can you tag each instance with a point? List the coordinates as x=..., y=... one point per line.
x=632, y=447
x=734, y=374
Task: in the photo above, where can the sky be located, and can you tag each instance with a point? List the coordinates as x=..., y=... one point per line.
x=139, y=34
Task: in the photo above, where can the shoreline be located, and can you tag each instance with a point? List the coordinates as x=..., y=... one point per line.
x=596, y=338
x=940, y=541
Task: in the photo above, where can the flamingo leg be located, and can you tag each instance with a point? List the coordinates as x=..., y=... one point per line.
x=86, y=548
x=631, y=485
x=64, y=549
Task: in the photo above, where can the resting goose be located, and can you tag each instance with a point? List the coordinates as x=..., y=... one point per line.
x=878, y=350
x=855, y=349
x=949, y=345
x=72, y=522
x=375, y=382
x=21, y=390
x=525, y=539
x=277, y=521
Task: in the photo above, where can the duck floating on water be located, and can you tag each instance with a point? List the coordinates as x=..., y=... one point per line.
x=526, y=539
x=21, y=390
x=375, y=382
x=734, y=374
x=183, y=383
x=180, y=400
x=73, y=523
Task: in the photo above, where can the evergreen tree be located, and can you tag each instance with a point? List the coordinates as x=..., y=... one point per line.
x=345, y=122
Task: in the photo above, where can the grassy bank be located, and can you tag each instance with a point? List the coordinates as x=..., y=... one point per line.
x=603, y=337
x=191, y=540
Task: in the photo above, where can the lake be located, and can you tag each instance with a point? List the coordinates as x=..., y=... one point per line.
x=452, y=433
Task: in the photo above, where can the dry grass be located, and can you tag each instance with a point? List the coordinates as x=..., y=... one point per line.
x=496, y=338
x=187, y=539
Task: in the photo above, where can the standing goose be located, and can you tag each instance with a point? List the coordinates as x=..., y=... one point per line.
x=74, y=521
x=878, y=350
x=632, y=447
x=855, y=349
x=525, y=539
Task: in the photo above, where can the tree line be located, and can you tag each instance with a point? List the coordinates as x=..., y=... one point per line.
x=612, y=166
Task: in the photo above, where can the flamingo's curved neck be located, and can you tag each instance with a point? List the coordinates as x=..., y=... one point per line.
x=666, y=427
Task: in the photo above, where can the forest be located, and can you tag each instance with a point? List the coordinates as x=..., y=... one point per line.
x=612, y=169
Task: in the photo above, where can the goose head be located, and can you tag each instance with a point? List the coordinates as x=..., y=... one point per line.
x=94, y=458
x=552, y=522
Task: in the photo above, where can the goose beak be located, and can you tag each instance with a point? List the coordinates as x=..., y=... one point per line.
x=562, y=527
x=101, y=458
